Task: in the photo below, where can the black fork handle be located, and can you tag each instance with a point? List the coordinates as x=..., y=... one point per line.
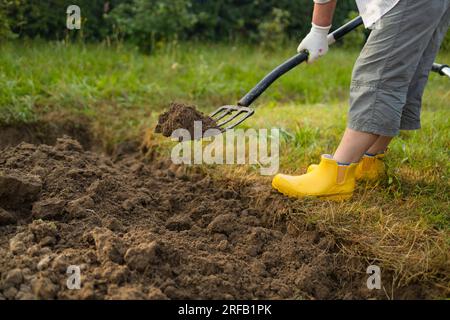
x=288, y=65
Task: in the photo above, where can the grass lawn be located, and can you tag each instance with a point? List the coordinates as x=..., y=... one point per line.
x=402, y=223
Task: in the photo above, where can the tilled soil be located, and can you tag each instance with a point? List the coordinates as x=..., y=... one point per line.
x=152, y=231
x=47, y=131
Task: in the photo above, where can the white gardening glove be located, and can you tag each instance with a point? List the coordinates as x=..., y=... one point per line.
x=316, y=42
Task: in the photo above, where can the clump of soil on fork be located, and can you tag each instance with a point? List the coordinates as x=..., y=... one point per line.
x=181, y=116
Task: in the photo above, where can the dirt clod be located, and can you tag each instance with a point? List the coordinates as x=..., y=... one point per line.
x=179, y=223
x=223, y=224
x=181, y=116
x=43, y=230
x=18, y=189
x=44, y=288
x=139, y=257
x=109, y=247
x=13, y=278
x=6, y=217
x=52, y=208
x=80, y=207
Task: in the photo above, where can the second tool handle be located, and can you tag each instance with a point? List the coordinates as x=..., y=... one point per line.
x=248, y=99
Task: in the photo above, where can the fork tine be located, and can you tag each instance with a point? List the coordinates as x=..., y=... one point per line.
x=246, y=115
x=223, y=115
x=231, y=118
x=217, y=111
x=236, y=115
x=221, y=112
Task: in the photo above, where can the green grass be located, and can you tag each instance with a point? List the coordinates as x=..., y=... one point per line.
x=80, y=76
x=122, y=91
x=417, y=162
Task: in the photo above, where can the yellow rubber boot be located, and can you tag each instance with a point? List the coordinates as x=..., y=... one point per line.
x=311, y=167
x=369, y=168
x=328, y=181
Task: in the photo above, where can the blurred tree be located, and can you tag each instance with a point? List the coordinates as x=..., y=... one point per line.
x=148, y=22
x=5, y=28
x=446, y=43
x=273, y=31
x=47, y=19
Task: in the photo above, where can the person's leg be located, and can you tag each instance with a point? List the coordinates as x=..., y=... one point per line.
x=410, y=119
x=379, y=146
x=383, y=73
x=372, y=165
x=411, y=111
x=353, y=145
x=380, y=83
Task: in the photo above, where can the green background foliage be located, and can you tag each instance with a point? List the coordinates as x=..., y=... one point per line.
x=149, y=22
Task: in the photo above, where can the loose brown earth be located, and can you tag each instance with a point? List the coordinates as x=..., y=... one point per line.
x=181, y=116
x=153, y=230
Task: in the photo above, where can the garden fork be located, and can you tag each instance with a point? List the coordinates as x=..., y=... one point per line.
x=229, y=116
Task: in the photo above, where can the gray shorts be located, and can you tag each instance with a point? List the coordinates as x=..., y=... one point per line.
x=392, y=70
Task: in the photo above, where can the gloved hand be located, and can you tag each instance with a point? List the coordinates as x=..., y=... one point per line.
x=316, y=42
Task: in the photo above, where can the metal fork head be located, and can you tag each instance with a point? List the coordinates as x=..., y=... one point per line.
x=228, y=117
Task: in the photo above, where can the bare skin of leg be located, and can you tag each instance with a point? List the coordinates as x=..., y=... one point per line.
x=353, y=145
x=380, y=145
